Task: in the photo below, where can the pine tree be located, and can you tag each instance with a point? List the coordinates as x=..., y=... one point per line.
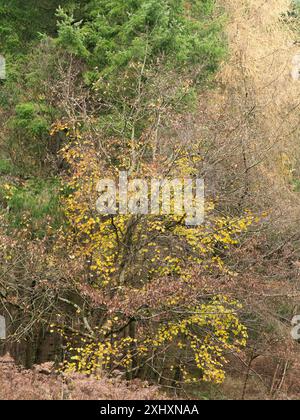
x=22, y=21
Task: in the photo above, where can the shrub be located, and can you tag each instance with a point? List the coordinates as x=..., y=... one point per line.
x=34, y=206
x=44, y=384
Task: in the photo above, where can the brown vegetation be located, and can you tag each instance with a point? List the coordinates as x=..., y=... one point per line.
x=42, y=383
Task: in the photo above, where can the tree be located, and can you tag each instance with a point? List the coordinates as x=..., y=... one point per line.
x=22, y=22
x=145, y=271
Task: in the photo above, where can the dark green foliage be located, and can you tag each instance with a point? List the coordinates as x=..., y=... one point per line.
x=6, y=167
x=128, y=53
x=116, y=32
x=28, y=134
x=135, y=50
x=34, y=206
x=31, y=120
x=21, y=22
x=9, y=169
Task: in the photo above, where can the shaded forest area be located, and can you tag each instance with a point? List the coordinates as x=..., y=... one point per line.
x=125, y=306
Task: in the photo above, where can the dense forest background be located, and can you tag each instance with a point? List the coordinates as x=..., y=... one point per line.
x=161, y=89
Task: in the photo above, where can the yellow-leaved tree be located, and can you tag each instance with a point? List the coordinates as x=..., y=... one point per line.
x=151, y=277
x=147, y=277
